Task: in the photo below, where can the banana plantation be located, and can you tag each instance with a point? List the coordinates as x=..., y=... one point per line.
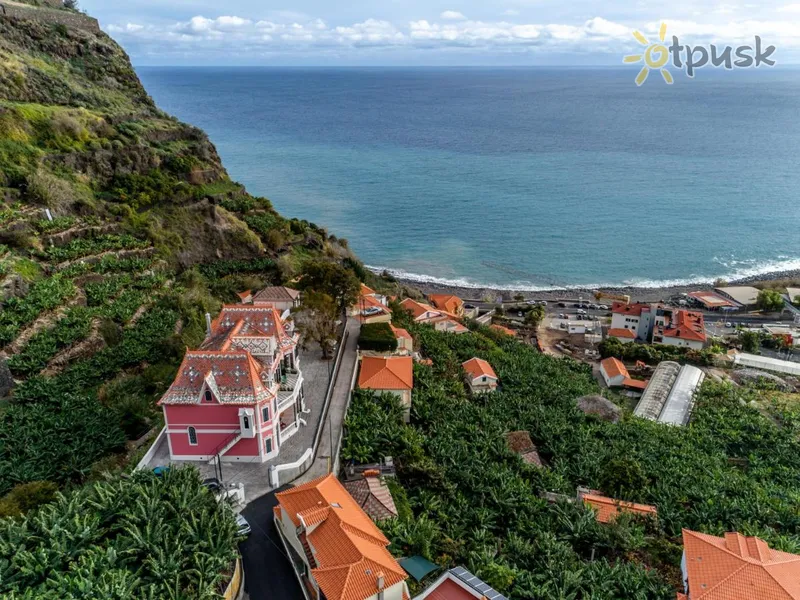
x=467, y=499
x=147, y=537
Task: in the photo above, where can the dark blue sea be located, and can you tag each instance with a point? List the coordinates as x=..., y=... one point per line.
x=517, y=177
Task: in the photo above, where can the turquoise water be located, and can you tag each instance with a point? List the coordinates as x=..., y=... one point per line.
x=529, y=178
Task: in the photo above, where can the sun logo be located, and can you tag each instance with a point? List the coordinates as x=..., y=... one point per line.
x=654, y=58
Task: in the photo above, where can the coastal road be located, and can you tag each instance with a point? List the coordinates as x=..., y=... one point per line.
x=268, y=573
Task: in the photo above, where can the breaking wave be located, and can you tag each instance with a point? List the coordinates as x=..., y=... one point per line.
x=731, y=270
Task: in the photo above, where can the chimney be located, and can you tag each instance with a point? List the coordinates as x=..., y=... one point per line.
x=208, y=324
x=381, y=580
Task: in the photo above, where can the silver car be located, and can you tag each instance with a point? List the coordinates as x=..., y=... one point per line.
x=243, y=526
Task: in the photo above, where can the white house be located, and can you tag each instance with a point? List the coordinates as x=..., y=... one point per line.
x=481, y=377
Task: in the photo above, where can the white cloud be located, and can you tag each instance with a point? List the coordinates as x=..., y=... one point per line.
x=236, y=35
x=790, y=8
x=452, y=15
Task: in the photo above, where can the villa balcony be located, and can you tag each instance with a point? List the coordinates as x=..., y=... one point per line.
x=289, y=391
x=288, y=431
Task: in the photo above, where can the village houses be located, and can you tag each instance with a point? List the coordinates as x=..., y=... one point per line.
x=480, y=376
x=653, y=323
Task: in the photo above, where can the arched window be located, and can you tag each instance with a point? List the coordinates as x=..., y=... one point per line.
x=209, y=397
x=246, y=422
x=192, y=436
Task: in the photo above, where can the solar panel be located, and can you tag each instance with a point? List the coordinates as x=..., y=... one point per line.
x=476, y=584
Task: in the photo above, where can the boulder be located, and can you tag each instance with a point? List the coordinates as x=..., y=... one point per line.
x=6, y=381
x=600, y=407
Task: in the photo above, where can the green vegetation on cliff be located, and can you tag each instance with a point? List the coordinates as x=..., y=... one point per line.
x=148, y=233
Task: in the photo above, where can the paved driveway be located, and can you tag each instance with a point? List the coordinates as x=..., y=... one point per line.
x=268, y=574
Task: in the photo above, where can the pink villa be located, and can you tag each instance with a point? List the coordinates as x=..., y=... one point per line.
x=239, y=397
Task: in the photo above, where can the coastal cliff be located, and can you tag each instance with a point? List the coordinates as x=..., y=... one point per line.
x=119, y=230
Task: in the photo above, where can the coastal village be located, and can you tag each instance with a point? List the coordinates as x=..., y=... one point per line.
x=240, y=399
x=203, y=398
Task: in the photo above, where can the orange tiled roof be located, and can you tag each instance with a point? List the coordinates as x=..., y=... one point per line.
x=477, y=367
x=447, y=302
x=420, y=308
x=454, y=326
x=276, y=294
x=687, y=325
x=608, y=508
x=367, y=302
x=386, y=373
x=736, y=567
x=637, y=384
x=244, y=295
x=366, y=290
x=613, y=367
x=502, y=329
x=621, y=333
x=399, y=332
x=631, y=310
x=349, y=550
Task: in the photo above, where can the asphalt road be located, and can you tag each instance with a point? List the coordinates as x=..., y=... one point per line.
x=268, y=574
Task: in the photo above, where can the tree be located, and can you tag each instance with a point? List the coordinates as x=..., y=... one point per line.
x=73, y=4
x=519, y=298
x=769, y=301
x=332, y=279
x=316, y=320
x=750, y=341
x=535, y=316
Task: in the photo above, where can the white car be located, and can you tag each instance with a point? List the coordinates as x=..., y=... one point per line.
x=242, y=525
x=729, y=324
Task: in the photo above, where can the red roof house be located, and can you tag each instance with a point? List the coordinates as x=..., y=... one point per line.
x=480, y=375
x=735, y=567
x=394, y=374
x=240, y=395
x=608, y=509
x=344, y=553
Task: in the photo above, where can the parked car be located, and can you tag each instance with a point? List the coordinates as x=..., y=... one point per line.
x=603, y=307
x=576, y=305
x=563, y=325
x=562, y=304
x=593, y=306
x=728, y=324
x=543, y=302
x=562, y=316
x=531, y=302
x=243, y=525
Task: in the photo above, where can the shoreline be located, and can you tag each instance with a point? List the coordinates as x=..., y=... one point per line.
x=644, y=294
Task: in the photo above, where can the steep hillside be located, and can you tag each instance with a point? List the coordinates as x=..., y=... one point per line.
x=119, y=229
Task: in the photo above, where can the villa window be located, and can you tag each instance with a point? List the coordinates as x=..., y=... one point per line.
x=209, y=396
x=268, y=445
x=246, y=422
x=192, y=436
x=265, y=414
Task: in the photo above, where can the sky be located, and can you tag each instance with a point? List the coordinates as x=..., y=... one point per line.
x=431, y=32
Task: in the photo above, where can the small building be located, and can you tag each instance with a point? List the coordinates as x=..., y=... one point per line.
x=615, y=374
x=448, y=303
x=793, y=293
x=459, y=584
x=372, y=494
x=626, y=336
x=608, y=509
x=683, y=328
x=613, y=371
x=519, y=442
x=425, y=313
x=636, y=317
x=735, y=567
x=405, y=343
x=743, y=295
x=282, y=298
x=450, y=326
x=712, y=301
x=504, y=330
x=337, y=551
x=371, y=307
x=392, y=374
x=576, y=327
x=480, y=375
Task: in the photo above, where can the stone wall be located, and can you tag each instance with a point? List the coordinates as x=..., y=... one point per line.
x=54, y=16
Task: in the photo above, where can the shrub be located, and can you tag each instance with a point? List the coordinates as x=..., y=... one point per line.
x=47, y=189
x=28, y=496
x=377, y=337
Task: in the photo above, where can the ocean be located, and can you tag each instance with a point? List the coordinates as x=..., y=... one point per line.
x=529, y=178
